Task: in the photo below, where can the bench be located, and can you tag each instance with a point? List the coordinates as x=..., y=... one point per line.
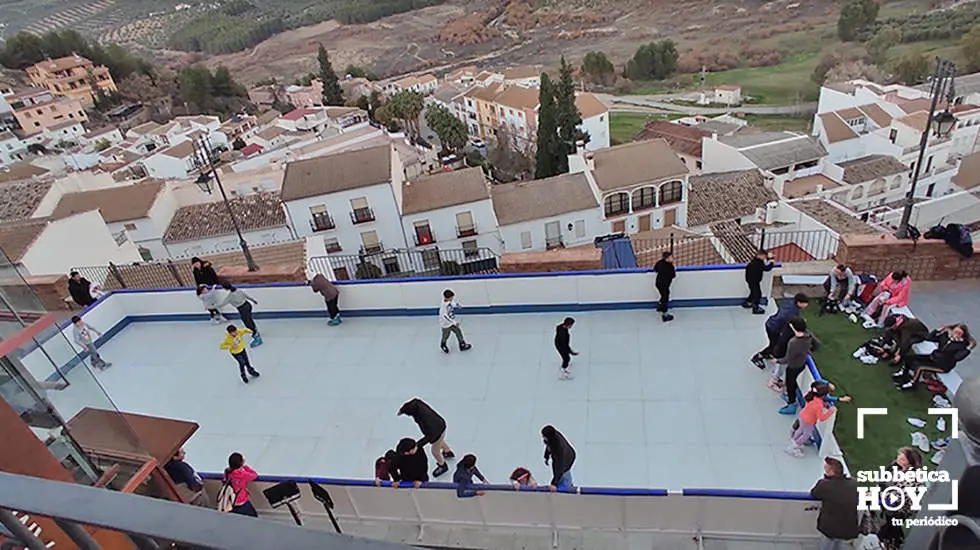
x=803, y=280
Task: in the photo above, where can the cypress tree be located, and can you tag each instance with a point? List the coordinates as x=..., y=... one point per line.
x=547, y=146
x=332, y=92
x=567, y=115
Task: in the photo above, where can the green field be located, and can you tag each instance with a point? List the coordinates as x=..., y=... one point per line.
x=871, y=386
x=780, y=122
x=624, y=126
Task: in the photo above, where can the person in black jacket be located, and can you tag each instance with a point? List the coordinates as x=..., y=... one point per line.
x=954, y=345
x=965, y=535
x=562, y=457
x=433, y=429
x=664, y=268
x=409, y=464
x=563, y=343
x=80, y=289
x=754, y=271
x=838, y=496
x=204, y=273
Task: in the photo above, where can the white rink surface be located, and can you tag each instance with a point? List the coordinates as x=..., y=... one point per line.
x=652, y=405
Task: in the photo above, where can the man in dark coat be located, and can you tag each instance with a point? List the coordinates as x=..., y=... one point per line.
x=433, y=429
x=204, y=273
x=409, y=463
x=838, y=495
x=80, y=289
x=754, y=272
x=559, y=451
x=664, y=268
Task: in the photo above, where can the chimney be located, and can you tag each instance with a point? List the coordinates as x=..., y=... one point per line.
x=590, y=160
x=819, y=188
x=580, y=147
x=714, y=136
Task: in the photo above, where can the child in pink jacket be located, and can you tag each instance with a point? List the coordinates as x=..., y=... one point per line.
x=891, y=293
x=239, y=475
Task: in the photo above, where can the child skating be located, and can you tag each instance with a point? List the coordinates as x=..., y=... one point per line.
x=812, y=413
x=449, y=323
x=235, y=344
x=241, y=301
x=83, y=337
x=563, y=343
x=209, y=297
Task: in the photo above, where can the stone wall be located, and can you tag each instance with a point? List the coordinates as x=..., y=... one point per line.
x=925, y=260
x=567, y=259
x=49, y=293
x=276, y=273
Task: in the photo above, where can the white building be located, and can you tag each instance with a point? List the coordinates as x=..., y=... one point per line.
x=12, y=149
x=351, y=199
x=47, y=246
x=728, y=94
x=206, y=228
x=595, y=120
x=139, y=213
x=641, y=185
x=549, y=213
x=110, y=134
x=450, y=210
x=528, y=77
x=177, y=162
x=424, y=84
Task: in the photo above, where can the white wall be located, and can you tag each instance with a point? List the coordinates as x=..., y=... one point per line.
x=594, y=226
x=161, y=166
x=225, y=243
x=718, y=157
x=598, y=129
x=79, y=240
x=442, y=223
x=961, y=207
x=380, y=199
x=832, y=100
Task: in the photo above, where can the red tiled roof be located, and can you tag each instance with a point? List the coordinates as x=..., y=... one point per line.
x=251, y=149
x=297, y=114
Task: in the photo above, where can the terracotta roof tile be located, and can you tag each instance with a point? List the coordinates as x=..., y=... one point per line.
x=267, y=117
x=145, y=128
x=117, y=204
x=836, y=218
x=914, y=105
x=917, y=121
x=297, y=114
x=338, y=172
x=518, y=97
x=16, y=239
x=270, y=133
x=63, y=63
x=735, y=241
x=589, y=105
x=521, y=73
x=210, y=219
x=20, y=199
x=968, y=174
x=21, y=171
x=870, y=168
x=182, y=150
x=443, y=190
x=836, y=129
x=877, y=114
x=632, y=164
x=726, y=196
x=683, y=139
x=545, y=198
x=800, y=187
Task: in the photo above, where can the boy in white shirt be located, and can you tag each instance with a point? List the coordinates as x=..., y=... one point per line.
x=449, y=323
x=83, y=333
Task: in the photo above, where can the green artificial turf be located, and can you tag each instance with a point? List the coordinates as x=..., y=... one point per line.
x=870, y=386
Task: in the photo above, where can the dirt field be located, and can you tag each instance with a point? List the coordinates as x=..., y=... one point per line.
x=409, y=42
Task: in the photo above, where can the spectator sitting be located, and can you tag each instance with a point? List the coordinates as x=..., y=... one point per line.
x=905, y=332
x=410, y=464
x=188, y=482
x=521, y=478
x=841, y=285
x=955, y=344
x=463, y=478
x=891, y=293
x=890, y=534
x=383, y=466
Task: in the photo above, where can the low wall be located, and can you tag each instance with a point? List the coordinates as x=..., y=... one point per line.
x=925, y=260
x=758, y=515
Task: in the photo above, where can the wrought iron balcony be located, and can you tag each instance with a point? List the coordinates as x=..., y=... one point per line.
x=552, y=243
x=362, y=215
x=322, y=222
x=466, y=230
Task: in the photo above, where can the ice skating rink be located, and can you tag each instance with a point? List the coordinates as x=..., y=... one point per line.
x=651, y=405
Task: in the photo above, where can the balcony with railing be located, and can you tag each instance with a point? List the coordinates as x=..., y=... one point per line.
x=468, y=230
x=374, y=248
x=552, y=242
x=362, y=215
x=322, y=222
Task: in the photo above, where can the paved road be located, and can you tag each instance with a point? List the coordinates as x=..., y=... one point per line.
x=657, y=102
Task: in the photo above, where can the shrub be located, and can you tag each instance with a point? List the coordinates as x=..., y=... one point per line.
x=449, y=268
x=368, y=271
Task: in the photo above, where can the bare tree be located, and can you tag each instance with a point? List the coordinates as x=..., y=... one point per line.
x=508, y=159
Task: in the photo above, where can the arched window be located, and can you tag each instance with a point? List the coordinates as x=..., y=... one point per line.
x=896, y=182
x=877, y=188
x=858, y=193
x=644, y=198
x=616, y=204
x=671, y=192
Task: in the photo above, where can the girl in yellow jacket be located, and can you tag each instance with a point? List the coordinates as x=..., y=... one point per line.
x=235, y=344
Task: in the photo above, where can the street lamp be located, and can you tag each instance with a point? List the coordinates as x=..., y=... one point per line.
x=205, y=162
x=941, y=124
